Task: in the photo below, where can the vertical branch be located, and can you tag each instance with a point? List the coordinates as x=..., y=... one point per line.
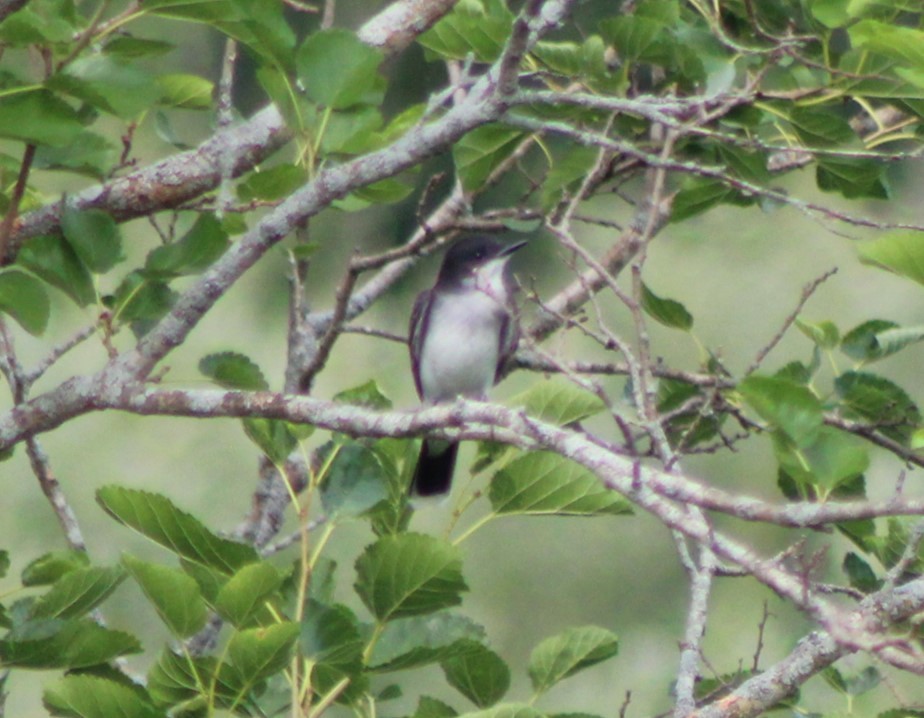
x=38, y=459
x=225, y=117
x=19, y=189
x=690, y=651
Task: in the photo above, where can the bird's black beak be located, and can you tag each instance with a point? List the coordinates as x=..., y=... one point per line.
x=511, y=248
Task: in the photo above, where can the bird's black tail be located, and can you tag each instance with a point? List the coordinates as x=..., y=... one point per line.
x=435, y=466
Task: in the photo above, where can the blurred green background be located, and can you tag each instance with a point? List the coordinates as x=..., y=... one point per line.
x=738, y=271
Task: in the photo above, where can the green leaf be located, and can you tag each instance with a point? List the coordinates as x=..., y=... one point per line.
x=567, y=172
x=819, y=127
x=157, y=518
x=87, y=696
x=54, y=260
x=94, y=236
x=355, y=482
x=23, y=297
x=141, y=299
x=274, y=437
x=480, y=151
x=90, y=154
x=902, y=44
x=53, y=643
x=49, y=567
x=668, y=312
x=272, y=184
x=853, y=177
x=187, y=92
x=338, y=70
x=205, y=242
x=825, y=334
x=331, y=635
x=428, y=707
x=246, y=593
x=558, y=401
x=544, y=483
x=573, y=650
x=127, y=46
x=258, y=653
x=480, y=675
x=506, y=710
x=832, y=458
x=879, y=401
x=859, y=573
x=473, y=27
x=232, y=370
x=179, y=681
x=877, y=339
x=107, y=83
x=39, y=117
x=696, y=195
x=420, y=640
x=368, y=395
x=4, y=562
x=175, y=596
x=899, y=252
x=409, y=574
x=78, y=592
x=791, y=408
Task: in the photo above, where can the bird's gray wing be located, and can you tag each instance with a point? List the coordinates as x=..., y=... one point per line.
x=420, y=316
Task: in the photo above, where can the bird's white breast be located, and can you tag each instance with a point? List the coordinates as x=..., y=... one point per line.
x=460, y=352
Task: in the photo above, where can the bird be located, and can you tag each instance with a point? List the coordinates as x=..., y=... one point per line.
x=463, y=330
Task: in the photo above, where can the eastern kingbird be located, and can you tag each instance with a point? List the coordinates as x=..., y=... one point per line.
x=463, y=330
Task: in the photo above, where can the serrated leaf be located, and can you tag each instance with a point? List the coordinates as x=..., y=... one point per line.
x=879, y=401
x=471, y=28
x=94, y=236
x=205, y=242
x=853, y=177
x=573, y=650
x=39, y=117
x=825, y=334
x=558, y=401
x=258, y=653
x=157, y=518
x=117, y=87
x=233, y=370
x=66, y=644
x=246, y=592
x=23, y=297
x=338, y=70
x=428, y=707
x=78, y=592
x=860, y=574
x=818, y=127
x=141, y=299
x=409, y=574
x=356, y=481
x=52, y=259
x=368, y=395
x=272, y=184
x=49, y=567
x=187, y=92
x=480, y=151
x=420, y=640
x=506, y=710
x=900, y=252
x=274, y=437
x=176, y=681
x=830, y=459
x=87, y=696
x=175, y=595
x=877, y=339
x=480, y=675
x=791, y=408
x=696, y=195
x=668, y=312
x=90, y=154
x=544, y=483
x=331, y=635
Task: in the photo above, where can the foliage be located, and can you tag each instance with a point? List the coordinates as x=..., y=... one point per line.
x=673, y=108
